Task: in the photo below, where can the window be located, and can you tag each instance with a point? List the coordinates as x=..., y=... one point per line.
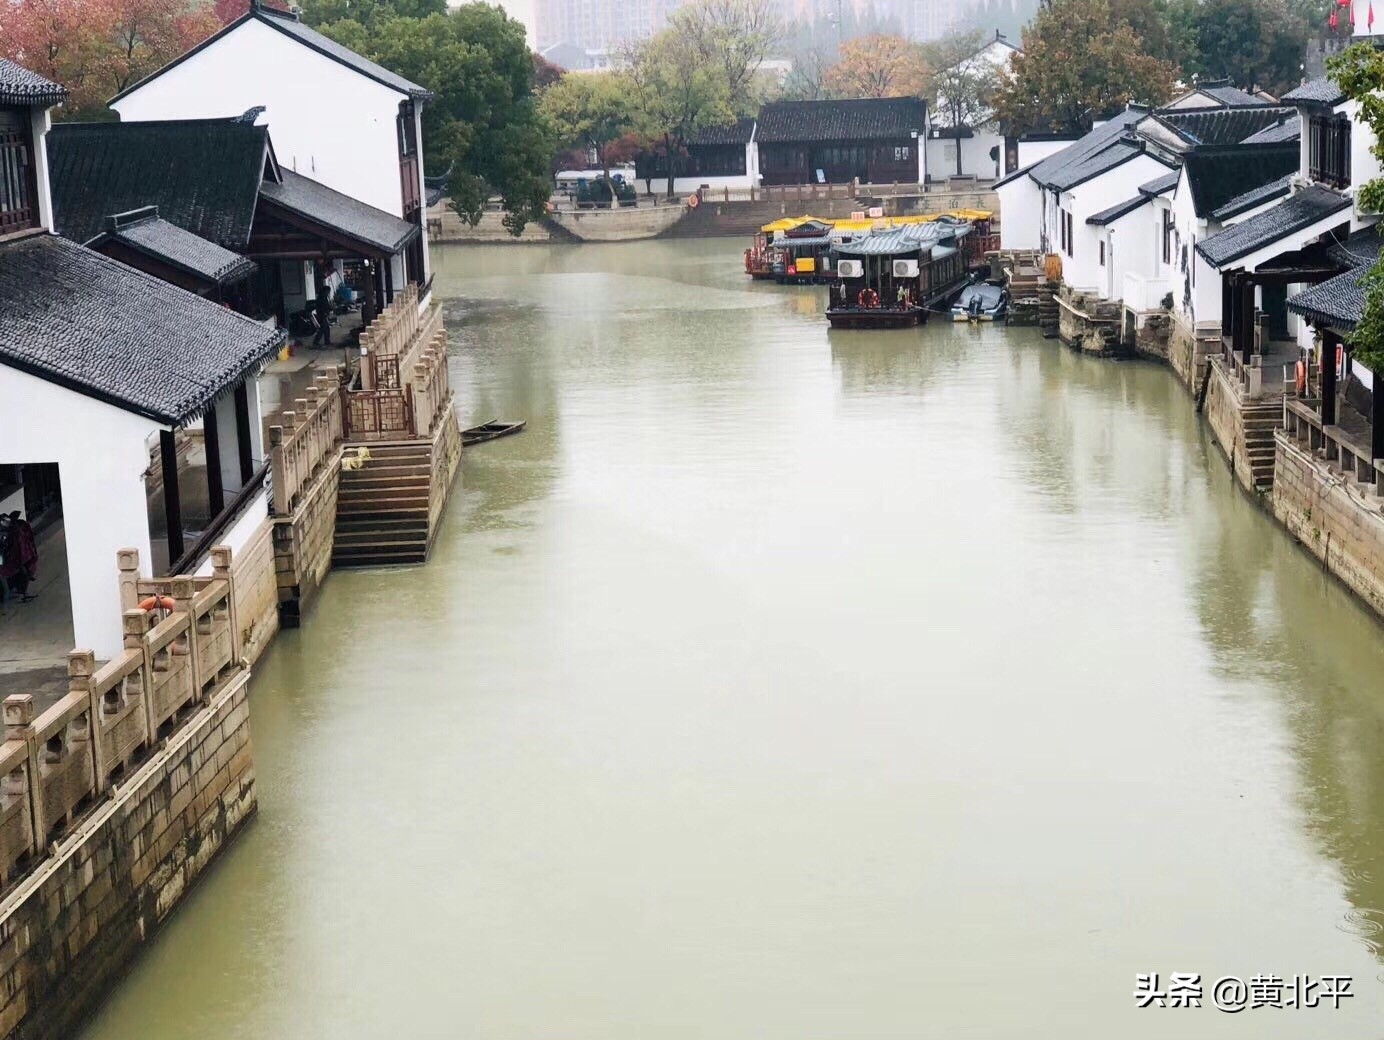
x=18, y=179
x=408, y=160
x=1167, y=236
x=408, y=130
x=1071, y=243
x=1328, y=150
x=1102, y=252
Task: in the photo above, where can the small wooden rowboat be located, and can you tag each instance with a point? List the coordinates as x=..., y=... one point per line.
x=488, y=431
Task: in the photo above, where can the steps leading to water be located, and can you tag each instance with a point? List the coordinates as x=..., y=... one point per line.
x=382, y=508
x=1259, y=422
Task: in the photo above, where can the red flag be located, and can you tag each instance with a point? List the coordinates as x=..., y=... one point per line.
x=1369, y=18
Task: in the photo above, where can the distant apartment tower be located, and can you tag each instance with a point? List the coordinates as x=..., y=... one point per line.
x=597, y=25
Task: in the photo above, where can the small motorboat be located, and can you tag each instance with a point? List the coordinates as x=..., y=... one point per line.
x=488, y=431
x=981, y=301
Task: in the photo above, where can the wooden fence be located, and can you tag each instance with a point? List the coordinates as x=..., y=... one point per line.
x=306, y=441
x=404, y=385
x=64, y=761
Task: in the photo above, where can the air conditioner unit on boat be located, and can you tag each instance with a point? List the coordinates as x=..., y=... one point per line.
x=905, y=268
x=850, y=269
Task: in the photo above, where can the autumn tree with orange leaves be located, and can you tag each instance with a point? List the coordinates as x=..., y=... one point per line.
x=96, y=48
x=877, y=66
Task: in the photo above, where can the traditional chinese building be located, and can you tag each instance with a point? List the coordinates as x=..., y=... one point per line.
x=873, y=140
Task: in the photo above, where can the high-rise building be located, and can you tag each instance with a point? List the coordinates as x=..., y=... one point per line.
x=597, y=25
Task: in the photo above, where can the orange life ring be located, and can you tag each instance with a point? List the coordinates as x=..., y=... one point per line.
x=693, y=201
x=869, y=298
x=1300, y=374
x=163, y=602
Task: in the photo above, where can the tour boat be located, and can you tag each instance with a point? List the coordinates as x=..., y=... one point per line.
x=796, y=253
x=981, y=301
x=892, y=279
x=488, y=431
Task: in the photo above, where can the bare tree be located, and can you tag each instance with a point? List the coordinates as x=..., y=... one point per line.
x=962, y=86
x=734, y=36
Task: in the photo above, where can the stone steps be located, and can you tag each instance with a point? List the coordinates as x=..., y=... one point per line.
x=383, y=508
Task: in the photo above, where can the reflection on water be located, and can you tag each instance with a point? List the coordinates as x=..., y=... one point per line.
x=777, y=683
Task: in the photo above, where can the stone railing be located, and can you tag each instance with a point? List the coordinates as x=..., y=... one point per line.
x=403, y=375
x=306, y=441
x=1303, y=423
x=61, y=762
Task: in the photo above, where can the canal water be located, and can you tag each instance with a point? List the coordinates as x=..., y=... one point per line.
x=780, y=684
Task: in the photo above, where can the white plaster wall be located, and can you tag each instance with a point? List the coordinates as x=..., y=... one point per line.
x=1020, y=213
x=683, y=186
x=1083, y=269
x=328, y=122
x=975, y=156
x=242, y=531
x=40, y=120
x=1034, y=151
x=1364, y=167
x=1130, y=240
x=101, y=456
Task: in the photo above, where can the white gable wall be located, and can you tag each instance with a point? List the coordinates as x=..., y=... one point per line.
x=1020, y=213
x=1081, y=267
x=39, y=121
x=328, y=121
x=101, y=455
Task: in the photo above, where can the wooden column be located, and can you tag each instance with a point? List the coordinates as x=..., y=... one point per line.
x=1377, y=421
x=211, y=438
x=172, y=506
x=388, y=281
x=242, y=434
x=1227, y=305
x=370, y=307
x=1329, y=341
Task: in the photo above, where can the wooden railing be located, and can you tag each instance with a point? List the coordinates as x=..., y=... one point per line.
x=58, y=764
x=403, y=375
x=306, y=441
x=1303, y=423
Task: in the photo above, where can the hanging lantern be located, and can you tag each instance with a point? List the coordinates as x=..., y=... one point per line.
x=1332, y=21
x=1342, y=3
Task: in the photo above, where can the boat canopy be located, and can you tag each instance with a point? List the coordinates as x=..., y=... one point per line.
x=783, y=242
x=880, y=223
x=907, y=240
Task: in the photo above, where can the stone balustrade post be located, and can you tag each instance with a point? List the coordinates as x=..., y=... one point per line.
x=222, y=559
x=127, y=563
x=278, y=463
x=19, y=725
x=183, y=588
x=135, y=625
x=81, y=666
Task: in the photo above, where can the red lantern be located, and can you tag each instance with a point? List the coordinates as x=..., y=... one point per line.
x=1331, y=21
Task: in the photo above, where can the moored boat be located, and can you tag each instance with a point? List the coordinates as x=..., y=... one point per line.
x=892, y=279
x=488, y=431
x=981, y=301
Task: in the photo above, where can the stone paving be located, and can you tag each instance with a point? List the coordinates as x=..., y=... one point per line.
x=35, y=637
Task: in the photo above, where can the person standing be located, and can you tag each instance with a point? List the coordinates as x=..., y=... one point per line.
x=323, y=314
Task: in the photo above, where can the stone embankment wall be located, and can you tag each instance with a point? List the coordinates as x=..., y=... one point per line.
x=1224, y=416
x=256, y=593
x=1089, y=324
x=68, y=931
x=1188, y=353
x=1336, y=520
x=303, y=545
x=621, y=224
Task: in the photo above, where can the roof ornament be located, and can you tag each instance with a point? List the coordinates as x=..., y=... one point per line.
x=250, y=115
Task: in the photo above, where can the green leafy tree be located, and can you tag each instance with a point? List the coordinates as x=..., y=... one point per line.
x=676, y=92
x=368, y=13
x=484, y=126
x=733, y=36
x=1252, y=42
x=1079, y=63
x=1359, y=71
x=592, y=111
x=961, y=88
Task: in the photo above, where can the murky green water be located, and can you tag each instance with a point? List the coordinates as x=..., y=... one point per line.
x=778, y=685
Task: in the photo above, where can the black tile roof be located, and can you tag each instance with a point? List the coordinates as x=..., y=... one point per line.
x=203, y=174
x=739, y=132
x=1319, y=91
x=289, y=25
x=1223, y=92
x=1222, y=125
x=1055, y=169
x=1162, y=184
x=1336, y=303
x=1217, y=175
x=146, y=232
x=81, y=320
x=1288, y=130
x=1359, y=248
x=1254, y=197
x=1293, y=214
x=364, y=224
x=860, y=119
x=19, y=86
x=1120, y=209
x=1078, y=173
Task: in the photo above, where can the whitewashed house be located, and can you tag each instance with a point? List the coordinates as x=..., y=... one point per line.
x=338, y=119
x=1268, y=255
x=102, y=368
x=718, y=158
x=961, y=146
x=1212, y=93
